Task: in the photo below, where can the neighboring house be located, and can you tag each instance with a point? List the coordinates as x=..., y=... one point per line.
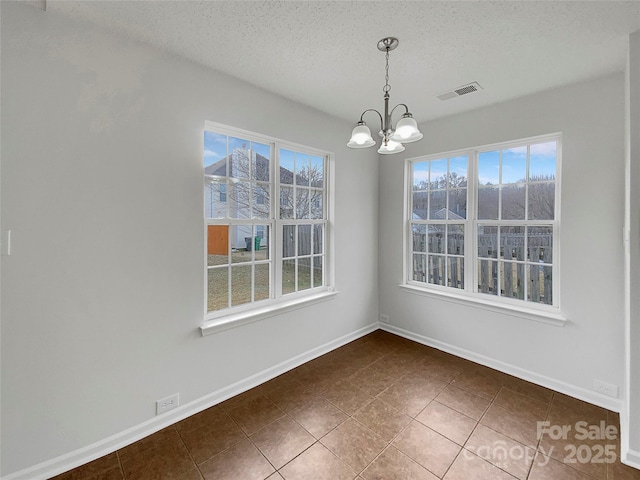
x=239, y=188
x=233, y=198
x=438, y=229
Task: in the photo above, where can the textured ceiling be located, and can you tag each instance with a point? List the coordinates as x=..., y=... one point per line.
x=323, y=53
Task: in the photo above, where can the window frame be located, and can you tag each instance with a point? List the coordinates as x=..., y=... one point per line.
x=469, y=294
x=233, y=316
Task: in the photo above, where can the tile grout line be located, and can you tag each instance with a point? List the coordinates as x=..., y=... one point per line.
x=197, y=467
x=553, y=396
x=478, y=422
x=390, y=443
x=587, y=476
x=473, y=430
x=120, y=464
x=318, y=440
x=350, y=417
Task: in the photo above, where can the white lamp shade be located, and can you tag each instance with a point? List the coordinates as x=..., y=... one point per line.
x=361, y=137
x=406, y=131
x=390, y=147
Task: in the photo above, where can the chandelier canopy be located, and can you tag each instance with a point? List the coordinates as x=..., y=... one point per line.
x=405, y=131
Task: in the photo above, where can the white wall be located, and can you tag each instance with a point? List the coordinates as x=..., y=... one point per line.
x=102, y=295
x=631, y=437
x=591, y=117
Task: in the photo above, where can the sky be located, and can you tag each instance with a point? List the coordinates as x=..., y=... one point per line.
x=492, y=169
x=215, y=147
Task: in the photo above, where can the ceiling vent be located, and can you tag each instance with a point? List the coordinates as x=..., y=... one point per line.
x=457, y=92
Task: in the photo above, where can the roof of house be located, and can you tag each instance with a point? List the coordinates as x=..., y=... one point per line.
x=438, y=215
x=219, y=168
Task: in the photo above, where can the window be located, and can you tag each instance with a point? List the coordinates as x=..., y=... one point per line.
x=483, y=223
x=302, y=218
x=437, y=221
x=260, y=252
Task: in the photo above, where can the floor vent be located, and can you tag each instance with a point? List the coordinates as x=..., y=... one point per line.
x=457, y=92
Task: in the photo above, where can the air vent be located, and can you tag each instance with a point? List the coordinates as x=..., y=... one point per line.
x=457, y=92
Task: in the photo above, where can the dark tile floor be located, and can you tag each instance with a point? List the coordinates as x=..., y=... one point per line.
x=381, y=407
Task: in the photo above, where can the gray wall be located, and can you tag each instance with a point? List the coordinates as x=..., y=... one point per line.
x=591, y=117
x=102, y=296
x=631, y=439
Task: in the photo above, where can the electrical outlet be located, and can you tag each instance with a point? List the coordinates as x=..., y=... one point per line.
x=6, y=248
x=385, y=318
x=168, y=403
x=605, y=388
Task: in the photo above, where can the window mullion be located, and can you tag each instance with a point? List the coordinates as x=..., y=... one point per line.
x=277, y=258
x=500, y=187
x=229, y=281
x=408, y=225
x=526, y=185
x=499, y=262
x=556, y=262
x=277, y=234
x=471, y=248
x=472, y=258
x=527, y=262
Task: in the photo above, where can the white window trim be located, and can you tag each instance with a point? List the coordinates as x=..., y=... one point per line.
x=469, y=296
x=258, y=313
x=463, y=298
x=218, y=321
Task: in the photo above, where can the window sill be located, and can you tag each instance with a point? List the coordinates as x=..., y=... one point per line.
x=548, y=317
x=228, y=322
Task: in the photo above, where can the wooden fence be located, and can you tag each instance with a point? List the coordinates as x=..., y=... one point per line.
x=303, y=239
x=506, y=257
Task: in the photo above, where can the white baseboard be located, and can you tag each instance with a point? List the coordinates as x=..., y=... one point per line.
x=98, y=449
x=628, y=456
x=631, y=458
x=557, y=385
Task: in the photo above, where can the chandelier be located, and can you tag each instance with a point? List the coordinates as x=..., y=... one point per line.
x=406, y=129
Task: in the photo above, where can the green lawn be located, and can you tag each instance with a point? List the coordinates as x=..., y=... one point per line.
x=241, y=278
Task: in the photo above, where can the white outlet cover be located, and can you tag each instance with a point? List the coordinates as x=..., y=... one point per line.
x=167, y=403
x=605, y=388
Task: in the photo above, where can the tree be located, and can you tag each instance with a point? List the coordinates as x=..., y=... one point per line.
x=308, y=199
x=240, y=189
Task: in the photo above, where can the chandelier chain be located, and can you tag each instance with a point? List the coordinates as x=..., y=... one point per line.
x=386, y=87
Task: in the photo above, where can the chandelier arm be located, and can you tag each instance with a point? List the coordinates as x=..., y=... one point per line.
x=406, y=109
x=373, y=110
